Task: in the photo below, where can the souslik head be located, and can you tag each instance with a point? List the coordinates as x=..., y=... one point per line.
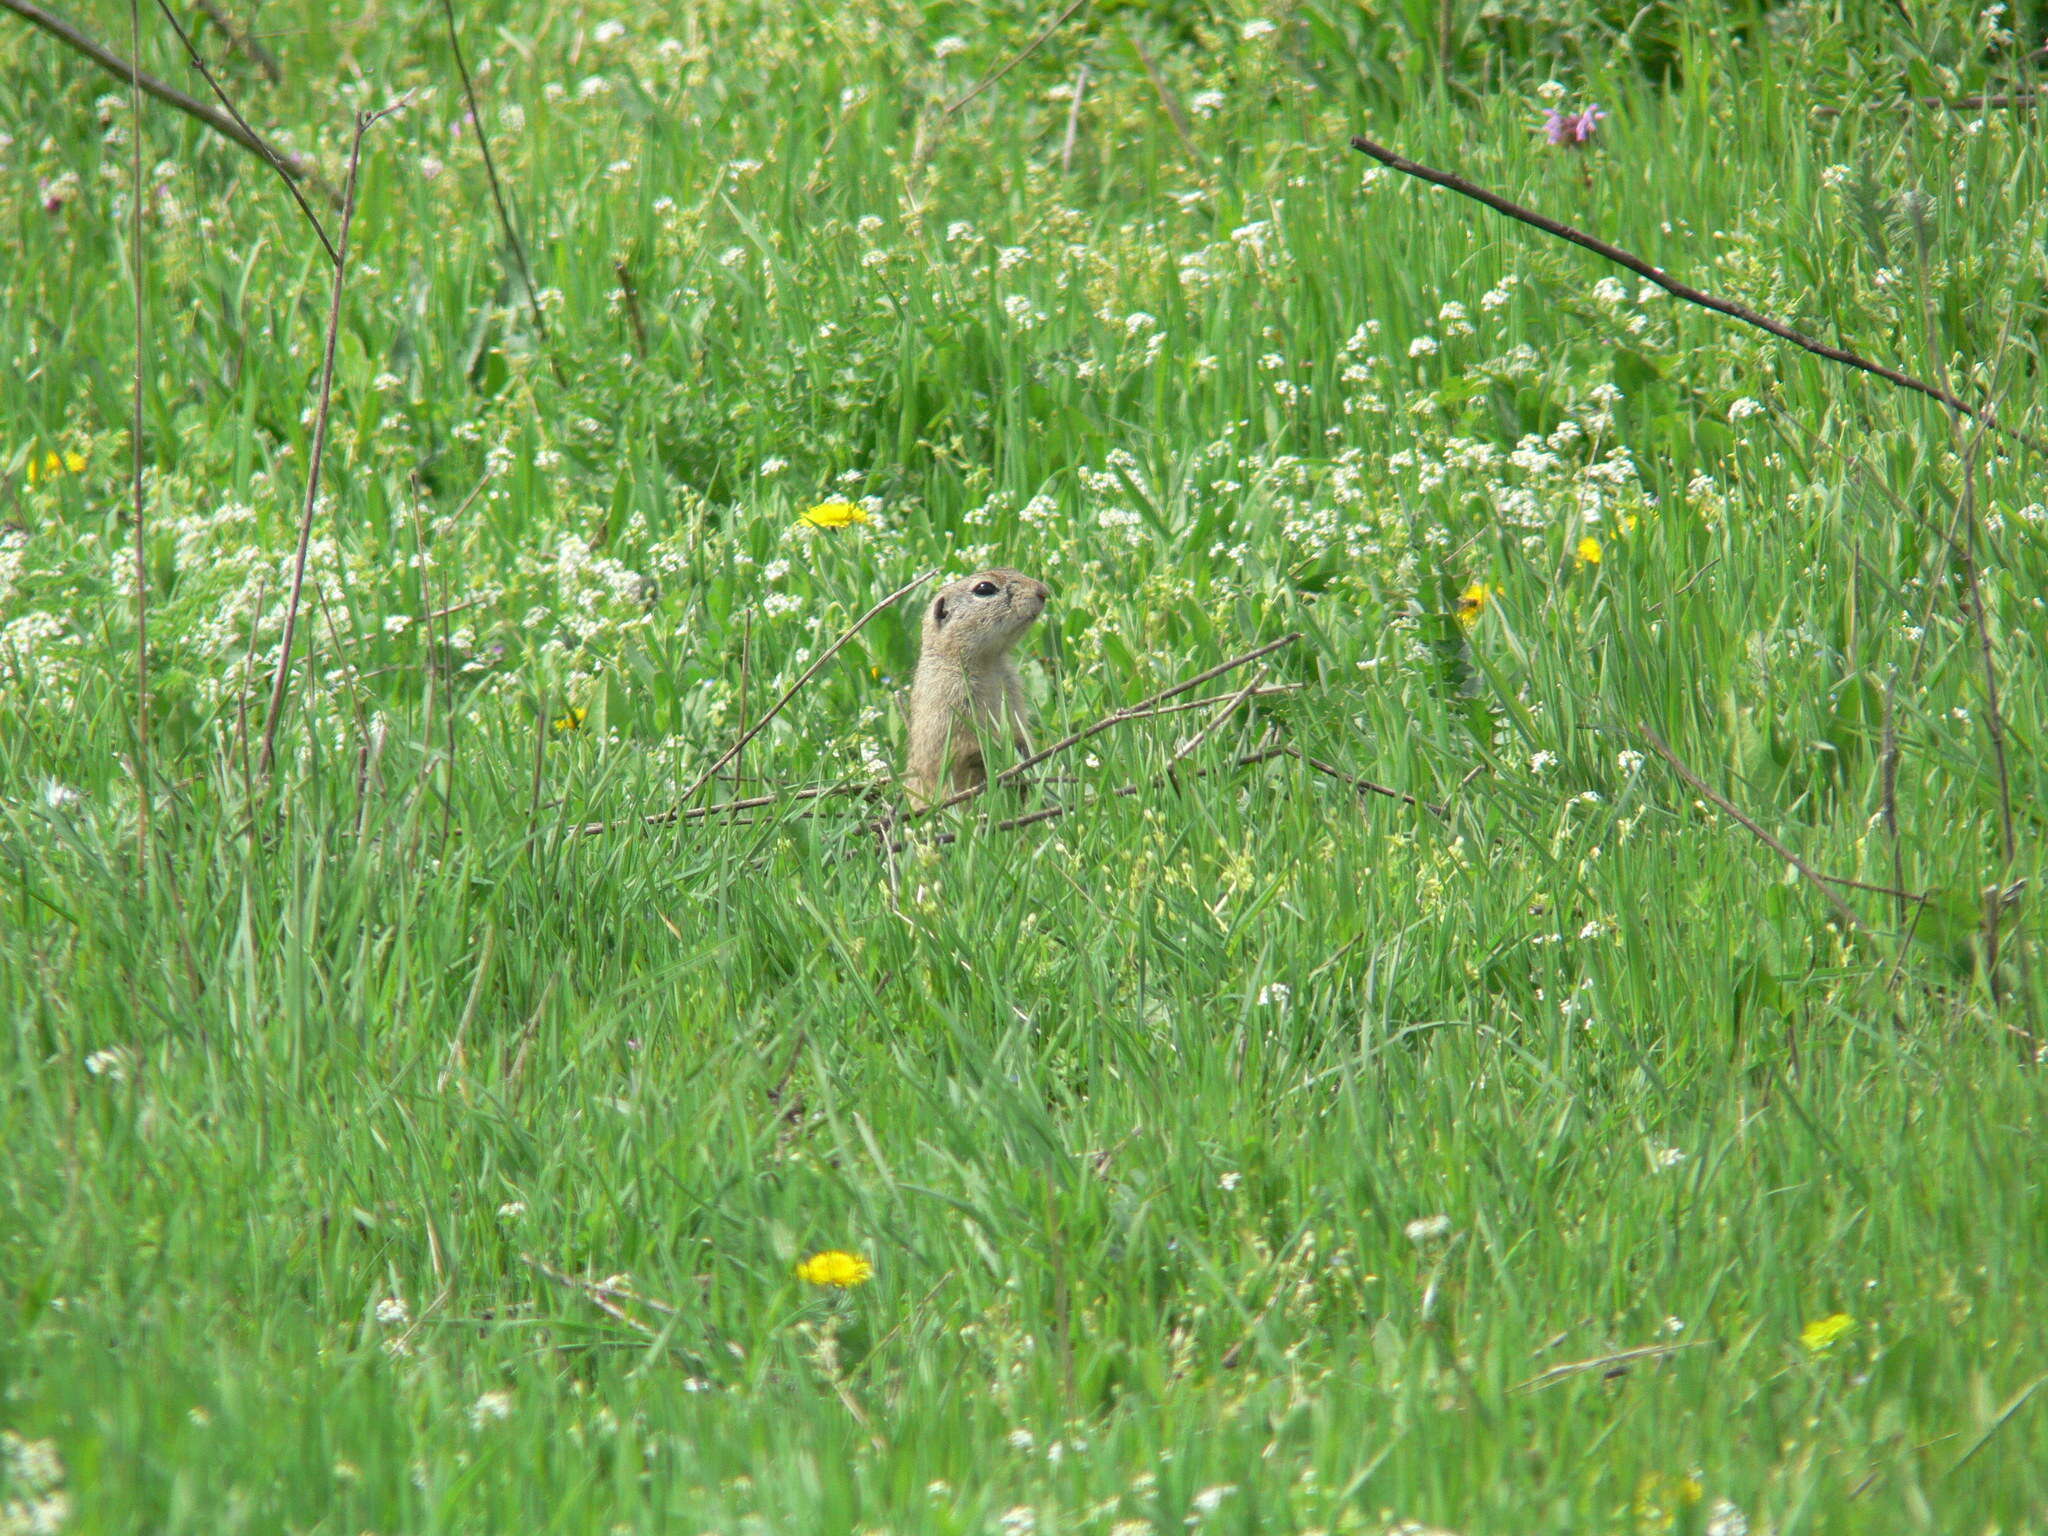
x=986, y=612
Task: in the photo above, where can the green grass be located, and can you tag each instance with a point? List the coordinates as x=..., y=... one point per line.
x=1144, y=1115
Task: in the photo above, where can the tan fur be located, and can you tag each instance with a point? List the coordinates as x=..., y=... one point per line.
x=967, y=686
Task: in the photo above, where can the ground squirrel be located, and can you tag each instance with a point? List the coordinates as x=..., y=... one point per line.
x=967, y=682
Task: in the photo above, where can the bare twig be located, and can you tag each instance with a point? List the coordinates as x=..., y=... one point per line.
x=1181, y=128
x=1366, y=785
x=135, y=448
x=1143, y=707
x=1019, y=57
x=722, y=808
x=811, y=671
x=1813, y=876
x=746, y=670
x=284, y=172
x=630, y=296
x=1073, y=120
x=364, y=121
x=599, y=1295
x=517, y=1071
x=69, y=35
x=1977, y=102
x=1671, y=285
x=243, y=43
x=456, y=1057
x=483, y=140
x=1558, y=1373
x=1208, y=727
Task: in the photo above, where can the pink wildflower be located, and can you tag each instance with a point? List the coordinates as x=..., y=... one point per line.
x=1571, y=130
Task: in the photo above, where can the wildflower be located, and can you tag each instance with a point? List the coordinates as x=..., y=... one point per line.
x=1744, y=408
x=573, y=720
x=512, y=1210
x=1551, y=92
x=489, y=1408
x=392, y=1311
x=1571, y=130
x=1823, y=1333
x=1542, y=761
x=1628, y=760
x=1276, y=995
x=1667, y=1157
x=836, y=513
x=1229, y=1181
x=1660, y=1497
x=946, y=47
x=835, y=1268
x=1427, y=1229
x=1472, y=603
x=1588, y=551
x=1422, y=346
x=32, y=1474
x=1023, y=1440
x=1256, y=28
x=49, y=466
x=1206, y=103
x=1206, y=1502
x=114, y=1065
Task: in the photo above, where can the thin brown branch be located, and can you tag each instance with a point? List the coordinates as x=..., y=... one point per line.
x=1019, y=57
x=270, y=156
x=483, y=140
x=1976, y=102
x=135, y=448
x=295, y=166
x=1367, y=785
x=282, y=675
x=1182, y=129
x=1558, y=1373
x=598, y=1294
x=457, y=1057
x=1691, y=295
x=1208, y=727
x=243, y=43
x=811, y=671
x=516, y=1073
x=1073, y=120
x=1813, y=876
x=629, y=294
x=1120, y=717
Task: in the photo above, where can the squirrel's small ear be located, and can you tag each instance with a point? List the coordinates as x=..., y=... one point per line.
x=939, y=611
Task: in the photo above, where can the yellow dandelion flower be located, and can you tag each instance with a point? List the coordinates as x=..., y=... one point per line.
x=573, y=720
x=835, y=1268
x=1472, y=602
x=1660, y=1496
x=49, y=466
x=1588, y=551
x=836, y=513
x=1823, y=1333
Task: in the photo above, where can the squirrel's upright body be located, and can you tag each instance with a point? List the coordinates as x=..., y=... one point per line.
x=967, y=688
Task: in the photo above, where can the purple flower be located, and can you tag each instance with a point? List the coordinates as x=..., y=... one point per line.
x=1569, y=130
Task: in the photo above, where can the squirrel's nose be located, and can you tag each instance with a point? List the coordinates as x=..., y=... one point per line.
x=1043, y=590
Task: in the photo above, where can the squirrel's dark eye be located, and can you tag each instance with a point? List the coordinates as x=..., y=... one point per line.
x=985, y=589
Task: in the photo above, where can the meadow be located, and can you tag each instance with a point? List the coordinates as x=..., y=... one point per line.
x=1624, y=1118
